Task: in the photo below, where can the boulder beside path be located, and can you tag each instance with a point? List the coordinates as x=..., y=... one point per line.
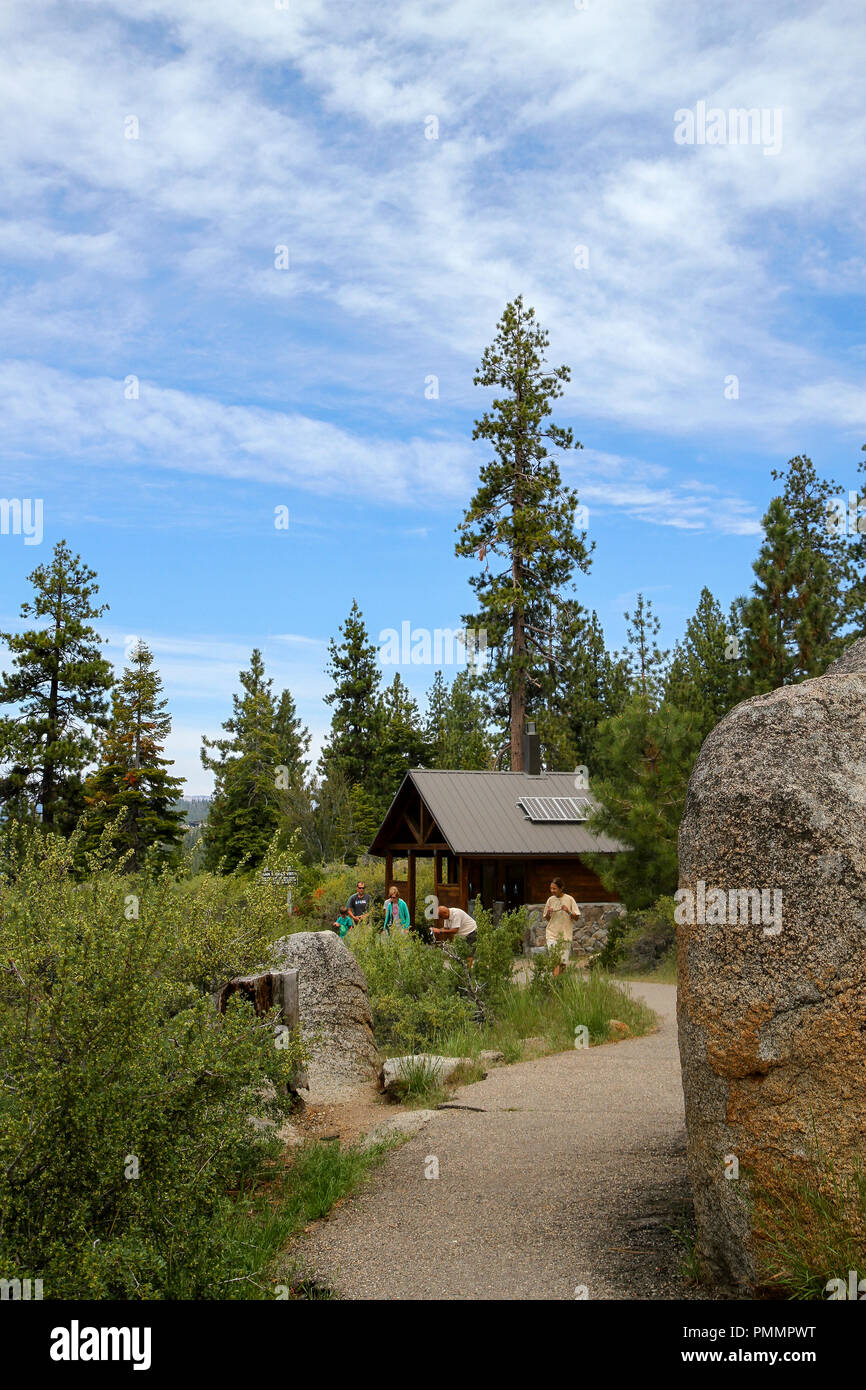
x=772, y=959
x=335, y=1015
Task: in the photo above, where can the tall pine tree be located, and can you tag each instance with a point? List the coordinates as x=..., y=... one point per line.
x=293, y=740
x=521, y=522
x=806, y=498
x=59, y=687
x=587, y=686
x=789, y=622
x=245, y=810
x=456, y=723
x=856, y=595
x=645, y=662
x=132, y=780
x=403, y=743
x=356, y=725
x=704, y=675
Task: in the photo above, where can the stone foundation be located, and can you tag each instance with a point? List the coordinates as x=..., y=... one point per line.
x=590, y=931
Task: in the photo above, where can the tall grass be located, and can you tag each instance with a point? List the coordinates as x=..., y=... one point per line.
x=811, y=1228
x=551, y=1014
x=421, y=1084
x=260, y=1224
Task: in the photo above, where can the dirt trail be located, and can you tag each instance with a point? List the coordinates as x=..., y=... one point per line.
x=569, y=1176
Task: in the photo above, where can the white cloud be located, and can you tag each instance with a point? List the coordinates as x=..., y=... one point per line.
x=261, y=126
x=91, y=421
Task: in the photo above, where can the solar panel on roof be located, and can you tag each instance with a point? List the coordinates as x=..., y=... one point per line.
x=555, y=808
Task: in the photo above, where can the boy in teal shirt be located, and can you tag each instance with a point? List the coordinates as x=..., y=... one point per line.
x=344, y=923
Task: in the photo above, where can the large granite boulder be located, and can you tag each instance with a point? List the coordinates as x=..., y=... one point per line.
x=334, y=1007
x=772, y=968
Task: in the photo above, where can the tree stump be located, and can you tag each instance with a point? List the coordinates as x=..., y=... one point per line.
x=272, y=989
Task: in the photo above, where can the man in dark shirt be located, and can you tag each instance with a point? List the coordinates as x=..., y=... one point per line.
x=359, y=904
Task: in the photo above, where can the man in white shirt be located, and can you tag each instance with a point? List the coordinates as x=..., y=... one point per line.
x=467, y=927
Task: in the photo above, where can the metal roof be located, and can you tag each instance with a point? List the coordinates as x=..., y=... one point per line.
x=477, y=813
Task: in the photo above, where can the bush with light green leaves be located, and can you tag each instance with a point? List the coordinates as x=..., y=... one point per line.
x=125, y=1098
x=414, y=992
x=418, y=993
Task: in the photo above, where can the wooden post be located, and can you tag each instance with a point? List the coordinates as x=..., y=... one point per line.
x=288, y=997
x=411, y=885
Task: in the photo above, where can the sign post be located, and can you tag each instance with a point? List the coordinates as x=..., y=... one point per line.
x=287, y=877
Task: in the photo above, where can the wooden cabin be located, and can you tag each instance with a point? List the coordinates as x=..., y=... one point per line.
x=497, y=836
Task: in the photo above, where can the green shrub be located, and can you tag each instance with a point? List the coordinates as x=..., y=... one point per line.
x=330, y=886
x=494, y=952
x=125, y=1099
x=542, y=980
x=224, y=925
x=414, y=991
x=639, y=942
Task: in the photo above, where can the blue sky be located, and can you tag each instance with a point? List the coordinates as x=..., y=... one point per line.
x=156, y=157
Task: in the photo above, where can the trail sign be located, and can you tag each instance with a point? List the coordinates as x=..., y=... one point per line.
x=284, y=876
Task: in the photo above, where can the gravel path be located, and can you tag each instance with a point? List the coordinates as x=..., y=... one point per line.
x=569, y=1179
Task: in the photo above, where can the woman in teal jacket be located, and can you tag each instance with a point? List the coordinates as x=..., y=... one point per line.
x=396, y=911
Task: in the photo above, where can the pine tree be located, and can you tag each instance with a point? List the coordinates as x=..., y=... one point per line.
x=806, y=498
x=132, y=779
x=647, y=753
x=322, y=812
x=245, y=811
x=855, y=605
x=402, y=743
x=59, y=687
x=521, y=522
x=789, y=621
x=456, y=723
x=356, y=728
x=587, y=686
x=293, y=740
x=704, y=675
x=645, y=662
x=435, y=719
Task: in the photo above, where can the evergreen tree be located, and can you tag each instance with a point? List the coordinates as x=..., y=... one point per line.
x=132, y=779
x=402, y=743
x=645, y=662
x=59, y=687
x=322, y=812
x=807, y=499
x=245, y=810
x=647, y=753
x=366, y=805
x=293, y=740
x=588, y=685
x=521, y=522
x=704, y=675
x=435, y=719
x=356, y=728
x=856, y=596
x=455, y=725
x=789, y=621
